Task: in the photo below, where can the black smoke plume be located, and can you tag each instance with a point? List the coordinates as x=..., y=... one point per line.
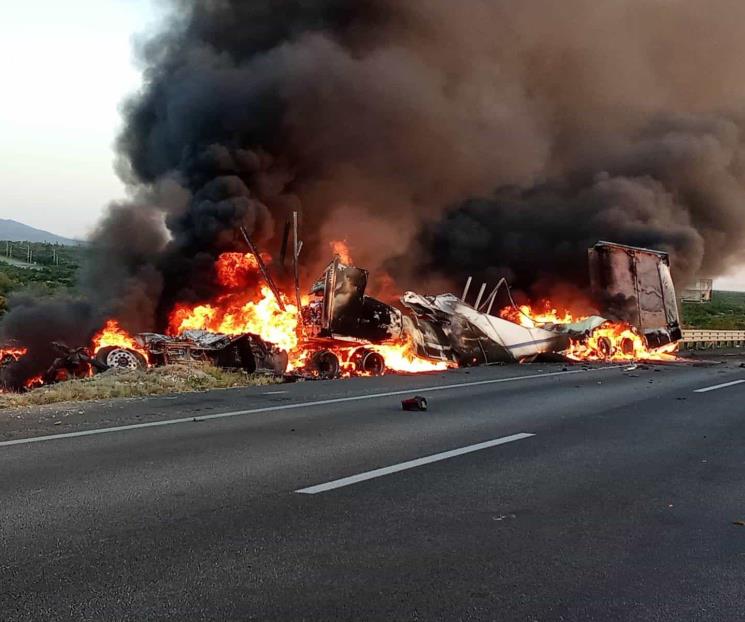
x=439, y=138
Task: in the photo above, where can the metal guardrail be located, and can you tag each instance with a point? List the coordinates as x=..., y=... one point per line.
x=710, y=338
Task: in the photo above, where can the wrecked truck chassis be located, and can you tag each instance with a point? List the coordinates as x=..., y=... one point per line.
x=245, y=351
x=329, y=358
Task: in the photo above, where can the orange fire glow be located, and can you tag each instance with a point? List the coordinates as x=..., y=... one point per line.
x=242, y=309
x=34, y=382
x=12, y=353
x=613, y=341
x=9, y=355
x=616, y=341
x=114, y=335
x=341, y=248
x=527, y=316
x=398, y=357
x=234, y=268
x=236, y=313
x=403, y=357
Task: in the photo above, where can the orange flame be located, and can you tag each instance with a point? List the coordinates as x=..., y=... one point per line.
x=526, y=316
x=114, y=335
x=233, y=269
x=234, y=314
x=34, y=382
x=11, y=353
x=341, y=248
x=616, y=341
x=613, y=341
x=398, y=357
x=241, y=309
x=403, y=357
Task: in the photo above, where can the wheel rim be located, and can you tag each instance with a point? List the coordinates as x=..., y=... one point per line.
x=122, y=359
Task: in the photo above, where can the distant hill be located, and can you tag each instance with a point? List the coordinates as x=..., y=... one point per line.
x=17, y=231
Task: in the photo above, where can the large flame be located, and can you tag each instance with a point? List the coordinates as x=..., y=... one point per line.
x=246, y=308
x=613, y=341
x=616, y=341
x=234, y=269
x=403, y=357
x=114, y=335
x=234, y=314
x=341, y=248
x=530, y=317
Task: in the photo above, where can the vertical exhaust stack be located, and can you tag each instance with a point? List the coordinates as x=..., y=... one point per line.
x=634, y=285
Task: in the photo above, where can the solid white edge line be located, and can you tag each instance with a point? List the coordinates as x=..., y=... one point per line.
x=410, y=464
x=718, y=386
x=278, y=407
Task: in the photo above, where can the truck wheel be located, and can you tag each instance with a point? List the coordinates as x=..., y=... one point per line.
x=605, y=347
x=627, y=346
x=368, y=362
x=121, y=358
x=324, y=364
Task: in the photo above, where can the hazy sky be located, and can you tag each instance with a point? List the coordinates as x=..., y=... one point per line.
x=66, y=65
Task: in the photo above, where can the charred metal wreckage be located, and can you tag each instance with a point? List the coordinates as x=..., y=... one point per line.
x=344, y=330
x=248, y=352
x=633, y=283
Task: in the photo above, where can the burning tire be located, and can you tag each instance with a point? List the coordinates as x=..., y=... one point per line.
x=627, y=346
x=605, y=347
x=121, y=358
x=368, y=362
x=324, y=364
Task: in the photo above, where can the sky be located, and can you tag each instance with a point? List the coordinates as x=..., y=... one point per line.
x=66, y=66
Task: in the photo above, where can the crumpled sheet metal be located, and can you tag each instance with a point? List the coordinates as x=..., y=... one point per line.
x=454, y=326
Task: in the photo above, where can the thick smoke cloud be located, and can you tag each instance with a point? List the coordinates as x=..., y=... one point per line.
x=389, y=122
x=439, y=138
x=677, y=186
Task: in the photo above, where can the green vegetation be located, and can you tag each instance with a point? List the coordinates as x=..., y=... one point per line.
x=53, y=267
x=125, y=383
x=726, y=311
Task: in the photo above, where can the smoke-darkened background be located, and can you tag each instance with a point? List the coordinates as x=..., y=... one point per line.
x=501, y=137
x=440, y=138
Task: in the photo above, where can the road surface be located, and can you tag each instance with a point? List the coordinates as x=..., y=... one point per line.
x=523, y=493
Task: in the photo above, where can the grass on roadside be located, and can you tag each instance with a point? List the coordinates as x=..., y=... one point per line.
x=124, y=383
x=726, y=311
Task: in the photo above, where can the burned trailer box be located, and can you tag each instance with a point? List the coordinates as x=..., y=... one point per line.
x=634, y=285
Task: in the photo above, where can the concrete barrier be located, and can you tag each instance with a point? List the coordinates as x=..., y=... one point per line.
x=694, y=338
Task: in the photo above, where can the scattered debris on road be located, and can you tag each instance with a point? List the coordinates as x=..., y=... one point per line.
x=416, y=403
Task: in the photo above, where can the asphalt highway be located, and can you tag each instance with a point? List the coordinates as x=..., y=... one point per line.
x=523, y=493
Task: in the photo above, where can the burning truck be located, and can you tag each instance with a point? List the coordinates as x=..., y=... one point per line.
x=642, y=319
x=338, y=330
